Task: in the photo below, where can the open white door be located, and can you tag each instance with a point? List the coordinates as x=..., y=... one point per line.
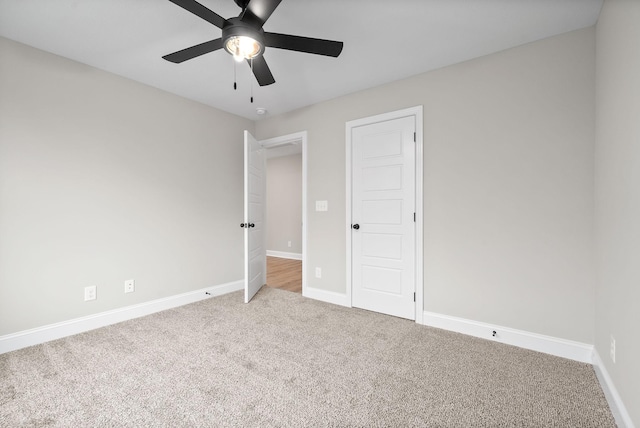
x=255, y=259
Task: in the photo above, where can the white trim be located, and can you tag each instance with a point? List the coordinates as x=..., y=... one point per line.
x=417, y=113
x=302, y=138
x=537, y=342
x=620, y=413
x=304, y=209
x=35, y=336
x=419, y=215
x=347, y=223
x=272, y=143
x=284, y=255
x=327, y=296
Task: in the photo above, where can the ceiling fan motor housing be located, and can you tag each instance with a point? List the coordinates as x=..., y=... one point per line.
x=242, y=3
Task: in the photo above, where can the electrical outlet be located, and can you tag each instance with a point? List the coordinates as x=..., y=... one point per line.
x=612, y=352
x=129, y=286
x=289, y=244
x=318, y=272
x=90, y=293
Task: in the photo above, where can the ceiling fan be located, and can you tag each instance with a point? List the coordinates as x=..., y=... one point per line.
x=244, y=38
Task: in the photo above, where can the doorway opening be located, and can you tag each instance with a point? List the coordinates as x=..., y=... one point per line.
x=285, y=237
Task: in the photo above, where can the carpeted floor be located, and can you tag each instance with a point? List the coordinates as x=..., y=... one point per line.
x=284, y=360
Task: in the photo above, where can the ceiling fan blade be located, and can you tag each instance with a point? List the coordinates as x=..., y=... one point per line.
x=201, y=11
x=261, y=71
x=194, y=51
x=258, y=11
x=303, y=44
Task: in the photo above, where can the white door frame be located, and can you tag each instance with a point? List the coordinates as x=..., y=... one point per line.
x=297, y=137
x=416, y=112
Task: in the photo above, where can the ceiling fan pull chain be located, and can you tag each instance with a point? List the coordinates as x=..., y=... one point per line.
x=251, y=81
x=235, y=84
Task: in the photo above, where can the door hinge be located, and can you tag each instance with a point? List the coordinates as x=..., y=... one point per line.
x=414, y=297
x=414, y=137
x=414, y=217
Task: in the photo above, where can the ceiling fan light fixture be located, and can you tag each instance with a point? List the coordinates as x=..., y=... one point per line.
x=241, y=40
x=243, y=47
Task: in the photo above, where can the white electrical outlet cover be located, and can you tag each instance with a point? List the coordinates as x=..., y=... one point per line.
x=90, y=293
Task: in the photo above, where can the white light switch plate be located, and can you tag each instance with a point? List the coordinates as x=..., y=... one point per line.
x=322, y=206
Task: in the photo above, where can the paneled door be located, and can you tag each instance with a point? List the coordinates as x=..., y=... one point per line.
x=255, y=258
x=383, y=217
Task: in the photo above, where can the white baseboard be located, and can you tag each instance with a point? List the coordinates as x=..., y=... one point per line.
x=22, y=339
x=284, y=255
x=537, y=342
x=326, y=296
x=620, y=413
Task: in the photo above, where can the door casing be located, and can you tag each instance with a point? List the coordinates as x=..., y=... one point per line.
x=416, y=112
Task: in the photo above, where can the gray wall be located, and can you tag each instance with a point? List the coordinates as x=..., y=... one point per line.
x=508, y=184
x=618, y=196
x=103, y=179
x=284, y=203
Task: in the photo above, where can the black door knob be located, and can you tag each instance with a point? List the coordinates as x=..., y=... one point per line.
x=242, y=224
x=355, y=226
x=252, y=225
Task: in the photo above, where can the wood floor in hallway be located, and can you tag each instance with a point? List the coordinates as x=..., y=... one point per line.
x=285, y=274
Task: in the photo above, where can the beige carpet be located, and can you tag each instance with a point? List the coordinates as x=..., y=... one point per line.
x=284, y=360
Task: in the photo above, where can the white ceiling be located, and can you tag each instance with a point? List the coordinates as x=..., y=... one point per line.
x=384, y=40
